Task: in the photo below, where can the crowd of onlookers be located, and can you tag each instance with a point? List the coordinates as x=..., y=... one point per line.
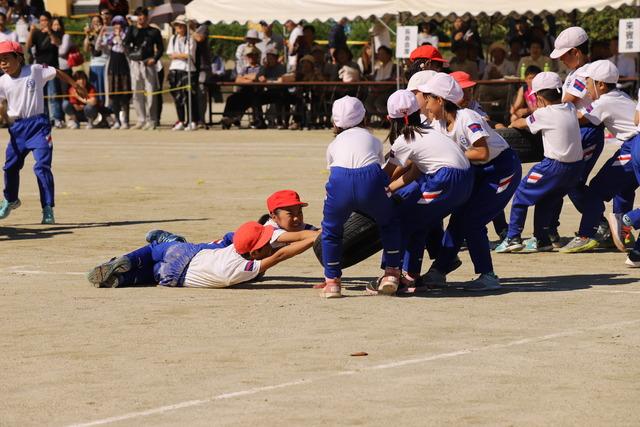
x=129, y=62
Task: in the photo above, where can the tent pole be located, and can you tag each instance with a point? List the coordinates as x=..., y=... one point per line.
x=189, y=105
x=397, y=59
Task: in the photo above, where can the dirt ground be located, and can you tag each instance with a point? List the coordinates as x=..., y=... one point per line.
x=560, y=345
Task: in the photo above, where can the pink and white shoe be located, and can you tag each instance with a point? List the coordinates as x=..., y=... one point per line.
x=388, y=285
x=332, y=289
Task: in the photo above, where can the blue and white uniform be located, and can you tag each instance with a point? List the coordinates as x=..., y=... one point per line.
x=496, y=180
x=620, y=175
x=558, y=173
x=357, y=182
x=30, y=130
x=445, y=184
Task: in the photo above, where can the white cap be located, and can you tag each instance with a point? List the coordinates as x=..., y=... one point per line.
x=601, y=71
x=444, y=86
x=347, y=112
x=420, y=78
x=546, y=80
x=568, y=39
x=252, y=34
x=402, y=103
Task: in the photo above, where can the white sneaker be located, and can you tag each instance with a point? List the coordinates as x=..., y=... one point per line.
x=192, y=126
x=59, y=124
x=178, y=126
x=89, y=125
x=116, y=125
x=149, y=126
x=138, y=125
x=124, y=125
x=121, y=117
x=72, y=124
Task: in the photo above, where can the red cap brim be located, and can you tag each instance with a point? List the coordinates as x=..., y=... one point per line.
x=265, y=237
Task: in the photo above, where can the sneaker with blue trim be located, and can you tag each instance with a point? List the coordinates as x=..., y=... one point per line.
x=6, y=207
x=485, y=282
x=161, y=236
x=107, y=275
x=47, y=215
x=533, y=245
x=510, y=245
x=580, y=244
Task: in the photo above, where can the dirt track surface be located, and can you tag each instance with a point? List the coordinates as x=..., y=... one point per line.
x=560, y=345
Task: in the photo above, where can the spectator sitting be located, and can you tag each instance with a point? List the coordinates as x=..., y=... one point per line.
x=278, y=97
x=320, y=59
x=475, y=55
x=460, y=61
x=427, y=35
x=515, y=52
x=218, y=73
x=270, y=40
x=626, y=65
x=385, y=70
x=307, y=71
x=364, y=62
x=525, y=102
x=537, y=58
x=498, y=66
x=6, y=34
x=246, y=97
x=78, y=109
x=343, y=63
x=250, y=40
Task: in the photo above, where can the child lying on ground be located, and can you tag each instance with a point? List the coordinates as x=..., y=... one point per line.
x=205, y=265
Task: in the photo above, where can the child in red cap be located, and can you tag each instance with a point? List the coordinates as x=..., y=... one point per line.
x=205, y=265
x=22, y=86
x=285, y=214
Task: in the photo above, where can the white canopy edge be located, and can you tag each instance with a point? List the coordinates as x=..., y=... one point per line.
x=323, y=10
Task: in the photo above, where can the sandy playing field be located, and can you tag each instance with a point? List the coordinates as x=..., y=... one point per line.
x=559, y=346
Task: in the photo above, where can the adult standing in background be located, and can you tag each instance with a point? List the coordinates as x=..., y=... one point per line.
x=337, y=36
x=117, y=7
x=295, y=31
x=98, y=61
x=270, y=40
x=143, y=45
x=182, y=51
x=6, y=34
x=203, y=67
x=45, y=43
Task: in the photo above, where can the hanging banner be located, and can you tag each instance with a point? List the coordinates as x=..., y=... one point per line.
x=629, y=35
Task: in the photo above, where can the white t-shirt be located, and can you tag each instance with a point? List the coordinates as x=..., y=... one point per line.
x=471, y=127
x=576, y=85
x=181, y=45
x=293, y=59
x=430, y=152
x=560, y=131
x=220, y=268
x=8, y=36
x=279, y=232
x=354, y=148
x=24, y=93
x=616, y=110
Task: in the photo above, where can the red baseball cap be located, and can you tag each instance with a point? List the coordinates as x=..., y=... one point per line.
x=283, y=199
x=10, y=47
x=251, y=236
x=427, y=52
x=463, y=79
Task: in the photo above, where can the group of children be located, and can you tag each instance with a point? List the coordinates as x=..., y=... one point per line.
x=445, y=161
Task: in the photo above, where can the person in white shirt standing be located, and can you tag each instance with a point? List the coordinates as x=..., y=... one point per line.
x=621, y=173
x=357, y=182
x=182, y=51
x=22, y=86
x=550, y=180
x=295, y=31
x=497, y=171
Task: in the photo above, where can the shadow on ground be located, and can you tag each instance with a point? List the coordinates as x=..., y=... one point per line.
x=47, y=232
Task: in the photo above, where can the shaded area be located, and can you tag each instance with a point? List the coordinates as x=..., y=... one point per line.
x=47, y=232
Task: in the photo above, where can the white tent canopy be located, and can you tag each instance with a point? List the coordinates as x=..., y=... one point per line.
x=281, y=10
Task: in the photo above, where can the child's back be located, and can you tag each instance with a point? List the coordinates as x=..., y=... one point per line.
x=354, y=148
x=560, y=132
x=614, y=109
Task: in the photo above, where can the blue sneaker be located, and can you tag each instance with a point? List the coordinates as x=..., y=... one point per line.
x=509, y=245
x=532, y=245
x=161, y=236
x=6, y=207
x=47, y=215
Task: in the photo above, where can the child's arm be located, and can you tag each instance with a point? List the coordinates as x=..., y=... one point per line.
x=408, y=177
x=519, y=101
x=296, y=236
x=636, y=118
x=479, y=151
x=82, y=92
x=285, y=253
x=520, y=123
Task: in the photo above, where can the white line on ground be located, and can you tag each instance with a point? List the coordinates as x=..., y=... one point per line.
x=387, y=365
